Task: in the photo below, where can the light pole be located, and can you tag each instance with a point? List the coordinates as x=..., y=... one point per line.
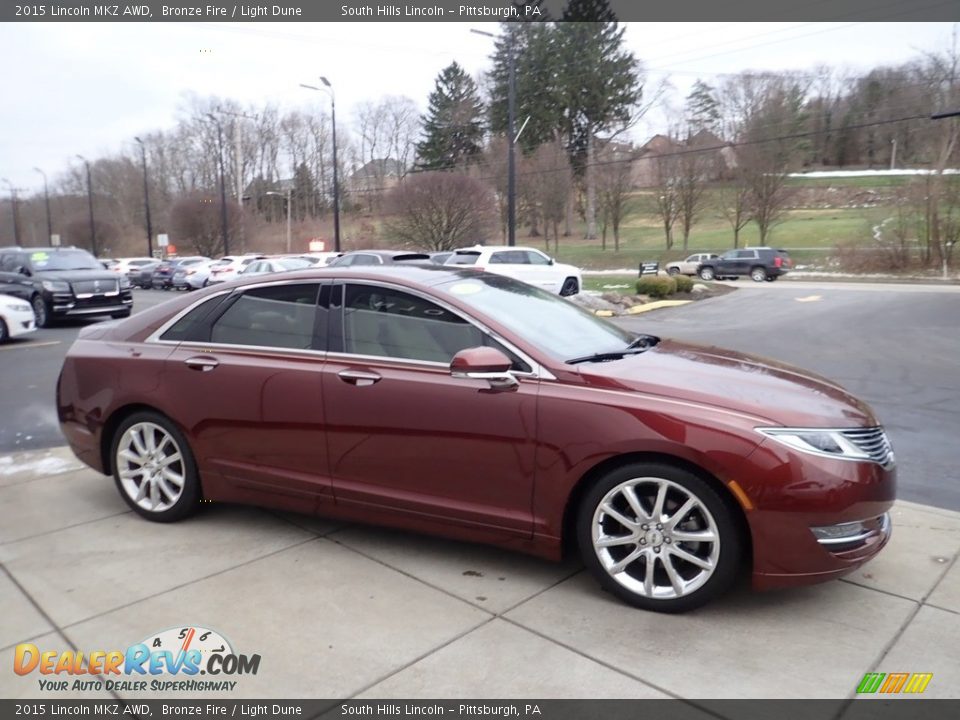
x=336, y=182
x=93, y=229
x=13, y=209
x=223, y=187
x=46, y=198
x=146, y=196
x=287, y=195
x=511, y=137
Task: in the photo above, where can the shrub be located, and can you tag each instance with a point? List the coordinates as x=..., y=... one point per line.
x=684, y=283
x=656, y=286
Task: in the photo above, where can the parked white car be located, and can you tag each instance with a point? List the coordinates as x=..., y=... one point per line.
x=229, y=267
x=275, y=265
x=690, y=266
x=16, y=318
x=522, y=263
x=125, y=266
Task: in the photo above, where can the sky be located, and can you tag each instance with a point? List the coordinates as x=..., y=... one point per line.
x=89, y=88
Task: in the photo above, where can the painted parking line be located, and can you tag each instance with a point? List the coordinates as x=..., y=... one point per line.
x=30, y=345
x=809, y=298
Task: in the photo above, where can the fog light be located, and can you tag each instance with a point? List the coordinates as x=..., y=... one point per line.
x=850, y=532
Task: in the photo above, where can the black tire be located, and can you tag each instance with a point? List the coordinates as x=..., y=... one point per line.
x=570, y=287
x=771, y=278
x=712, y=514
x=707, y=273
x=673, y=272
x=758, y=274
x=41, y=312
x=4, y=333
x=121, y=314
x=188, y=501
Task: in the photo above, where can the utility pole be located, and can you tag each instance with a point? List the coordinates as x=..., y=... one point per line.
x=146, y=197
x=46, y=198
x=13, y=208
x=289, y=196
x=93, y=227
x=336, y=181
x=223, y=187
x=511, y=136
x=238, y=144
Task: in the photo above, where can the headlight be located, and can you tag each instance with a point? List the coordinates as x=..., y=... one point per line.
x=830, y=443
x=56, y=286
x=21, y=307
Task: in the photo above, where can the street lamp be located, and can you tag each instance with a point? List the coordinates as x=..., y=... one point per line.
x=223, y=187
x=336, y=182
x=146, y=197
x=287, y=196
x=13, y=208
x=93, y=229
x=46, y=197
x=511, y=137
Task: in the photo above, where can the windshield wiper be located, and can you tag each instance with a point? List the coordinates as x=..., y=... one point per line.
x=639, y=344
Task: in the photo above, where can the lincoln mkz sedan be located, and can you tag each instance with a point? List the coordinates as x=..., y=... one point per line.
x=474, y=406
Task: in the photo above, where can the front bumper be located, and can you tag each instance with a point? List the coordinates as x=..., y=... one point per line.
x=20, y=322
x=794, y=493
x=67, y=305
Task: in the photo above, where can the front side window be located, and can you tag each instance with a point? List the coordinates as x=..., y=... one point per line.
x=391, y=323
x=281, y=316
x=535, y=258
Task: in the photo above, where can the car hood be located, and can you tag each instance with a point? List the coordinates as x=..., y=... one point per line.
x=75, y=275
x=756, y=386
x=8, y=301
x=566, y=268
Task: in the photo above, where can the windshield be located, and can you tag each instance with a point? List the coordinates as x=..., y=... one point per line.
x=547, y=321
x=64, y=260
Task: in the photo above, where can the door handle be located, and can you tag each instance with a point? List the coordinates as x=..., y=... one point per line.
x=358, y=377
x=203, y=364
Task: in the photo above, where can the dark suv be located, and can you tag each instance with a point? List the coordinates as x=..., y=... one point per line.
x=760, y=263
x=64, y=282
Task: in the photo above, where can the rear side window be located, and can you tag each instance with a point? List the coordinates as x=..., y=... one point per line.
x=509, y=257
x=281, y=316
x=186, y=327
x=463, y=258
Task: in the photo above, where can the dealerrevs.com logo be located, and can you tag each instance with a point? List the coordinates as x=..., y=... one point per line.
x=169, y=661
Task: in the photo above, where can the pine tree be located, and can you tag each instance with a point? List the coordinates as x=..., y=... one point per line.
x=453, y=125
x=703, y=108
x=303, y=191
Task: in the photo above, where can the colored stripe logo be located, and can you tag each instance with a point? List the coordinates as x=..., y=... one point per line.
x=892, y=683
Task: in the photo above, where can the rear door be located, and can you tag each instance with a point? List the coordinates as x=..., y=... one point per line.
x=246, y=385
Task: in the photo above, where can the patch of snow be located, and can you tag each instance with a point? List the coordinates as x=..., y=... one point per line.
x=868, y=173
x=40, y=466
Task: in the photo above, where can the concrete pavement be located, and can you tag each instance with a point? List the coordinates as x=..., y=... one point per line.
x=354, y=611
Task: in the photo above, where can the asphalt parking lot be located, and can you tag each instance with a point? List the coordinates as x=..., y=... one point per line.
x=350, y=611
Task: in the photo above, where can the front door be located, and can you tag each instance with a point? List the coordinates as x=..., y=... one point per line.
x=405, y=435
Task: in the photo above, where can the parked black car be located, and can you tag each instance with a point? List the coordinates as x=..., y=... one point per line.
x=760, y=263
x=63, y=282
x=142, y=275
x=162, y=277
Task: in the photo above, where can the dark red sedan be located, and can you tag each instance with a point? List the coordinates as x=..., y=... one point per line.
x=473, y=406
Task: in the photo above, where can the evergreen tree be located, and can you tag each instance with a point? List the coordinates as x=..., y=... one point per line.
x=303, y=191
x=453, y=125
x=703, y=108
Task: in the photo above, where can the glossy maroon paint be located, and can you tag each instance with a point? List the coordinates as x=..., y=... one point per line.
x=423, y=450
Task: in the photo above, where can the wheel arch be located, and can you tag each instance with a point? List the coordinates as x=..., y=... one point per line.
x=586, y=481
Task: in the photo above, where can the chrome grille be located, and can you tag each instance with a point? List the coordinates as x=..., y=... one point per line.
x=873, y=441
x=96, y=287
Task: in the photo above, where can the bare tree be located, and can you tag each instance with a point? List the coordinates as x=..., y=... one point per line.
x=734, y=200
x=614, y=184
x=552, y=176
x=692, y=169
x=195, y=221
x=667, y=195
x=440, y=211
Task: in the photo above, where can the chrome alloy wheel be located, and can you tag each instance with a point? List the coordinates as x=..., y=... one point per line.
x=150, y=466
x=655, y=538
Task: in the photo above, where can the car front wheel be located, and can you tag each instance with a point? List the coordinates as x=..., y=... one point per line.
x=4, y=334
x=41, y=312
x=758, y=274
x=706, y=273
x=673, y=271
x=659, y=537
x=154, y=468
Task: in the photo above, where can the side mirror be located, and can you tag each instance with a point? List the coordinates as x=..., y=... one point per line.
x=484, y=363
x=23, y=270
x=551, y=261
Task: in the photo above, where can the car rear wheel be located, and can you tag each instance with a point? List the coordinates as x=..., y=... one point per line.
x=771, y=278
x=706, y=273
x=41, y=312
x=758, y=274
x=154, y=468
x=570, y=287
x=659, y=537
